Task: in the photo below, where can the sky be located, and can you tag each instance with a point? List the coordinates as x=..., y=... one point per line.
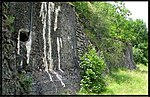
x=139, y=9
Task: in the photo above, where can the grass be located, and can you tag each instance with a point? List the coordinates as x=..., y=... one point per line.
x=126, y=82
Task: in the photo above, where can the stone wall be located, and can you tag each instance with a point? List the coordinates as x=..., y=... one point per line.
x=48, y=41
x=8, y=62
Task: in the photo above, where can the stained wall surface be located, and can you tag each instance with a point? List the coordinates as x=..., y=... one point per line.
x=46, y=49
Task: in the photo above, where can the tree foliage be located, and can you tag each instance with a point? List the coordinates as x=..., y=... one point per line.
x=105, y=23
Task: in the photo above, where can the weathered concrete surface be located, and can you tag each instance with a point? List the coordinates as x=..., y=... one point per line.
x=67, y=25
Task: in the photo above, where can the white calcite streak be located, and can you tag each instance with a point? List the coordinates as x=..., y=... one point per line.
x=42, y=11
x=28, y=46
x=45, y=13
x=59, y=77
x=21, y=63
x=72, y=46
x=60, y=42
x=50, y=10
x=56, y=17
x=58, y=50
x=68, y=38
x=18, y=44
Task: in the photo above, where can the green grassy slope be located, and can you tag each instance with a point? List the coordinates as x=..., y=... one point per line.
x=126, y=82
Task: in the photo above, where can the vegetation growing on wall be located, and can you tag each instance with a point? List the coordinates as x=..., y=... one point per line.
x=25, y=83
x=7, y=19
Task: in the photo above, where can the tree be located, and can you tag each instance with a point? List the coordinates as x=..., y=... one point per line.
x=111, y=30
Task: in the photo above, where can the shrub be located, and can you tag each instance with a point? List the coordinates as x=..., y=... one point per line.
x=139, y=56
x=92, y=69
